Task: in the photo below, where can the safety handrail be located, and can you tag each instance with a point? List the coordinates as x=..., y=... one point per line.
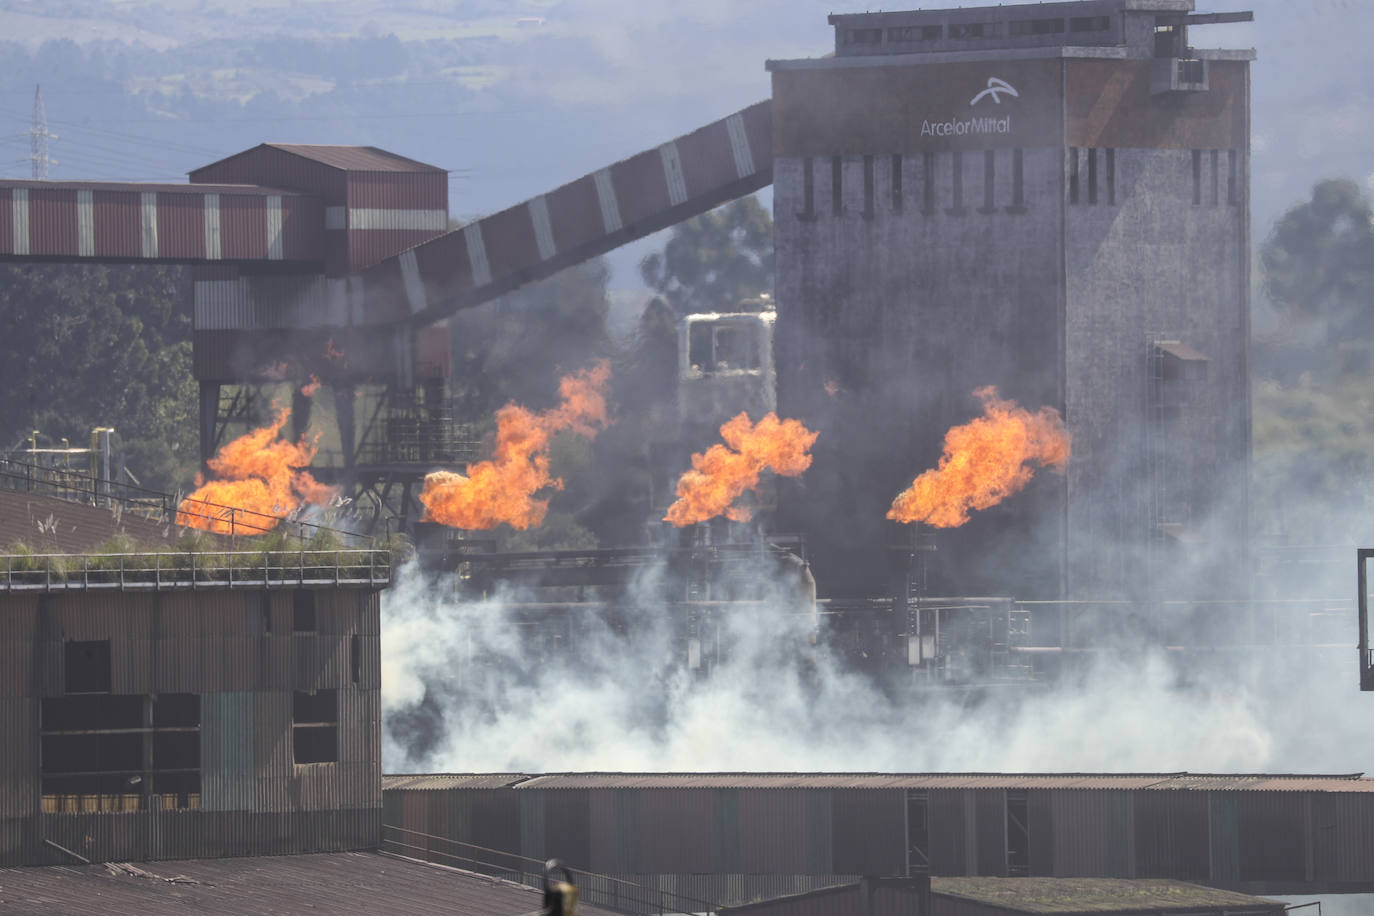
x=76, y=486
x=593, y=888
x=197, y=570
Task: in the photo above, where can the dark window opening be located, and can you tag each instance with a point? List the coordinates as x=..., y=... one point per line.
x=1192, y=72
x=86, y=667
x=315, y=744
x=109, y=752
x=1073, y=174
x=176, y=710
x=917, y=834
x=927, y=183
x=1111, y=177
x=1168, y=41
x=176, y=750
x=735, y=347
x=1232, y=177
x=1197, y=177
x=266, y=613
x=700, y=353
x=315, y=726
x=864, y=36
x=808, y=210
x=967, y=30
x=1216, y=189
x=836, y=189
x=97, y=712
x=1090, y=23
x=868, y=187
x=897, y=183
x=1092, y=176
x=1018, y=835
x=118, y=752
x=957, y=198
x=989, y=182
x=303, y=611
x=1018, y=182
x=916, y=33
x=1037, y=27
x=355, y=658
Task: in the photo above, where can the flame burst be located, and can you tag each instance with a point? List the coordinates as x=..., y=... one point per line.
x=984, y=462
x=722, y=474
x=502, y=488
x=312, y=387
x=258, y=474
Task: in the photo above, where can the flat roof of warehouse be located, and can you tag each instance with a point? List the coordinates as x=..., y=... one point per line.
x=335, y=883
x=1181, y=781
x=1099, y=895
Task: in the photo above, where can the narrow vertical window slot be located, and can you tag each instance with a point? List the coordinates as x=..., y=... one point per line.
x=956, y=207
x=1111, y=177
x=897, y=183
x=836, y=189
x=928, y=183
x=808, y=210
x=1073, y=174
x=989, y=182
x=355, y=657
x=1232, y=177
x=1092, y=176
x=1018, y=182
x=1197, y=177
x=1216, y=190
x=868, y=187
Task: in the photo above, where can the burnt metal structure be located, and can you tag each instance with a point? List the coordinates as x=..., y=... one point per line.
x=176, y=704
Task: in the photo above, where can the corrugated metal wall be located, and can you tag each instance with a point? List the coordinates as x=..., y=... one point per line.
x=1343, y=837
x=236, y=650
x=1171, y=835
x=226, y=751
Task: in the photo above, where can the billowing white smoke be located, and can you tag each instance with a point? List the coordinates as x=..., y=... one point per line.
x=465, y=691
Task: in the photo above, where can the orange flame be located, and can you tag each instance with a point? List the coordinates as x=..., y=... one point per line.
x=501, y=489
x=984, y=462
x=257, y=475
x=722, y=474
x=311, y=388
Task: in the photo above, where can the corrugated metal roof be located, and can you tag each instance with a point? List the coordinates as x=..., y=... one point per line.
x=1095, y=895
x=72, y=527
x=437, y=781
x=137, y=186
x=355, y=158
x=1153, y=781
x=341, y=883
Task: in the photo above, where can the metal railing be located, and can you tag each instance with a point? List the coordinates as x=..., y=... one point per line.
x=56, y=572
x=592, y=888
x=155, y=505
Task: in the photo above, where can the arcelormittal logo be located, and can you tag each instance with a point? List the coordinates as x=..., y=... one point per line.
x=995, y=89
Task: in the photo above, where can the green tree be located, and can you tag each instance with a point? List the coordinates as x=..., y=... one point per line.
x=712, y=261
x=89, y=346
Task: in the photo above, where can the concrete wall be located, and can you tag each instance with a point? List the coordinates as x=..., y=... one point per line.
x=1154, y=267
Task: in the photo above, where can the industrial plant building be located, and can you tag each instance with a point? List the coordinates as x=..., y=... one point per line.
x=174, y=704
x=1048, y=198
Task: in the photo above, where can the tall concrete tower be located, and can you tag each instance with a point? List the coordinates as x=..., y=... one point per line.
x=1048, y=198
